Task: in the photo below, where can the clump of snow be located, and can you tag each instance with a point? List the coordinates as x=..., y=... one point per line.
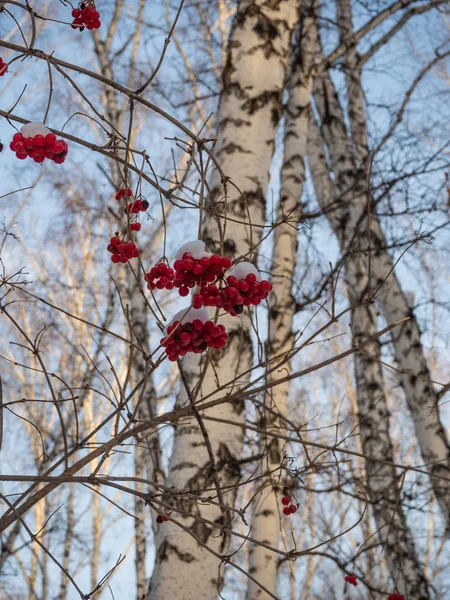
x=32, y=129
x=242, y=269
x=196, y=249
x=189, y=314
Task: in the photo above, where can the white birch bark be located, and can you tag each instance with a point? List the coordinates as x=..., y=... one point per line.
x=373, y=413
x=421, y=396
x=265, y=523
x=146, y=399
x=249, y=112
x=353, y=79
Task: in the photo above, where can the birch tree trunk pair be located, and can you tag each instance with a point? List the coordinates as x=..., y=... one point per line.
x=249, y=113
x=351, y=171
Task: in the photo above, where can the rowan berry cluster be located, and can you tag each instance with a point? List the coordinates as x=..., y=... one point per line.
x=160, y=277
x=3, y=67
x=351, y=579
x=396, y=597
x=123, y=192
x=38, y=142
x=289, y=507
x=161, y=519
x=122, y=252
x=195, y=336
x=237, y=294
x=191, y=330
x=86, y=16
x=136, y=207
x=190, y=271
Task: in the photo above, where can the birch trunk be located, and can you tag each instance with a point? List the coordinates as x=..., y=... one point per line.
x=249, y=112
x=265, y=522
x=421, y=396
x=147, y=463
x=373, y=413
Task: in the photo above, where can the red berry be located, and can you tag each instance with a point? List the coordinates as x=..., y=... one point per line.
x=351, y=579
x=188, y=264
x=285, y=500
x=50, y=139
x=286, y=511
x=39, y=140
x=215, y=260
x=183, y=291
x=135, y=226
x=17, y=137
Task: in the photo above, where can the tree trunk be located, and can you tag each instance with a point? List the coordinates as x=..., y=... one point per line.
x=373, y=414
x=266, y=521
x=249, y=112
x=352, y=180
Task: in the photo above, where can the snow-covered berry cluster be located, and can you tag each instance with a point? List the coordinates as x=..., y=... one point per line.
x=121, y=251
x=3, y=67
x=193, y=267
x=160, y=277
x=244, y=287
x=161, y=519
x=351, y=579
x=36, y=141
x=289, y=507
x=396, y=597
x=87, y=16
x=191, y=330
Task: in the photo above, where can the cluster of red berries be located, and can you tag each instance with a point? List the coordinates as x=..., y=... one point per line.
x=396, y=597
x=289, y=507
x=86, y=16
x=136, y=207
x=351, y=579
x=190, y=271
x=3, y=67
x=39, y=147
x=194, y=266
x=122, y=252
x=238, y=294
x=193, y=337
x=160, y=277
x=123, y=192
x=161, y=519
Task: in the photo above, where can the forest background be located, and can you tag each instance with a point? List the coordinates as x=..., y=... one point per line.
x=310, y=138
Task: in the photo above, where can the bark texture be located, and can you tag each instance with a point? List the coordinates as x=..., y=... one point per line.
x=249, y=112
x=266, y=517
x=381, y=479
x=348, y=160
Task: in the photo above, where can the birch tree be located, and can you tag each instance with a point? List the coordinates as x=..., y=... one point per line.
x=249, y=111
x=351, y=168
x=266, y=521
